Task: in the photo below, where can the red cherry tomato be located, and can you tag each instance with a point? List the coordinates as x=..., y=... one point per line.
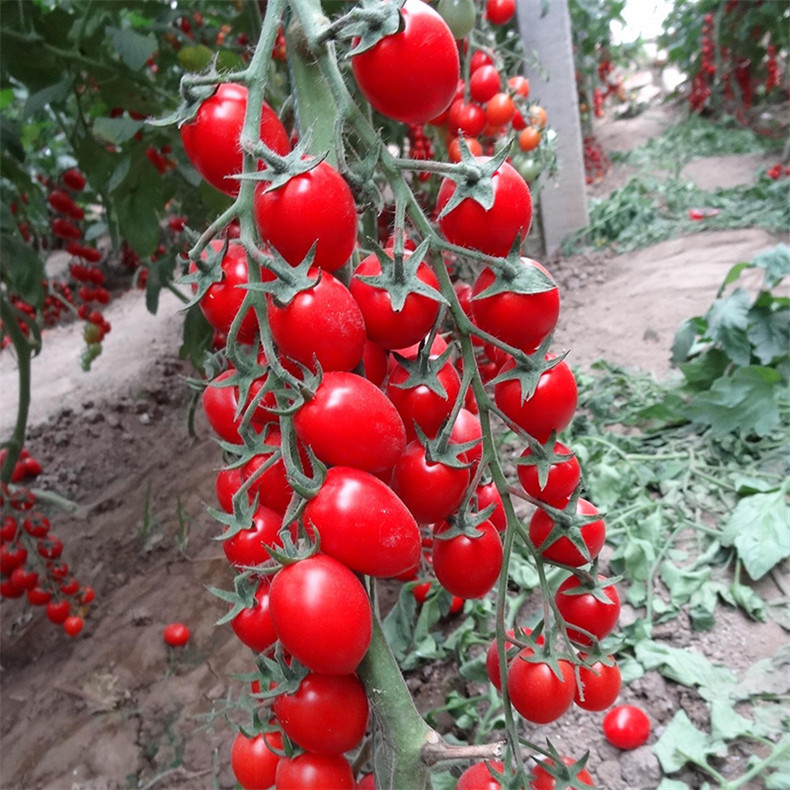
x=586, y=611
x=562, y=550
x=310, y=771
x=467, y=567
x=561, y=482
x=600, y=685
x=536, y=692
x=626, y=727
x=253, y=625
x=176, y=634
x=253, y=761
x=500, y=12
x=543, y=780
x=478, y=777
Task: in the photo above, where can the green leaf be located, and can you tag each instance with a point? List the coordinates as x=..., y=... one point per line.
x=672, y=784
x=759, y=528
x=747, y=402
x=681, y=741
x=726, y=724
x=702, y=371
x=52, y=94
x=133, y=48
x=197, y=337
x=116, y=130
x=684, y=338
x=728, y=314
x=769, y=333
x=22, y=269
x=733, y=274
x=689, y=669
x=398, y=625
x=776, y=263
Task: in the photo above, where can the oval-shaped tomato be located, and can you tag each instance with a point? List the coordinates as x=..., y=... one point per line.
x=321, y=614
x=223, y=299
x=468, y=567
x=327, y=714
x=541, y=779
x=491, y=231
x=392, y=73
x=466, y=118
x=626, y=727
x=315, y=207
x=220, y=404
x=484, y=83
x=467, y=428
x=324, y=323
x=363, y=524
x=228, y=483
x=586, y=611
x=563, y=550
x=561, y=482
x=488, y=494
x=211, y=140
x=500, y=110
x=478, y=777
x=432, y=491
x=351, y=422
x=536, y=692
x=271, y=486
x=459, y=15
x=384, y=325
x=253, y=625
x=500, y=12
x=251, y=546
x=375, y=362
x=600, y=685
x=520, y=320
x=551, y=407
x=314, y=772
x=421, y=405
x=176, y=634
x=254, y=764
x=492, y=656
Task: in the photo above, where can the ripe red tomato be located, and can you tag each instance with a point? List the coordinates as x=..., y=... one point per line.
x=536, y=692
x=254, y=763
x=520, y=320
x=323, y=322
x=223, y=299
x=479, y=59
x=492, y=657
x=626, y=727
x=586, y=611
x=494, y=231
x=337, y=424
x=561, y=482
x=600, y=684
x=58, y=611
x=562, y=550
x=253, y=626
x=432, y=491
x=420, y=404
x=363, y=524
x=488, y=494
x=314, y=772
x=321, y=613
x=478, y=777
x=392, y=73
x=375, y=362
x=250, y=546
x=543, y=780
x=220, y=404
x=315, y=207
x=467, y=428
x=466, y=118
x=271, y=487
x=500, y=110
x=327, y=714
x=228, y=483
x=73, y=625
x=384, y=326
x=484, y=83
x=74, y=179
x=468, y=567
x=500, y=12
x=176, y=634
x=211, y=140
x=551, y=407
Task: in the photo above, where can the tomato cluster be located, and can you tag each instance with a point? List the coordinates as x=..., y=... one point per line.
x=30, y=555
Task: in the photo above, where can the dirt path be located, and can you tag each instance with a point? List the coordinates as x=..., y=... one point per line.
x=112, y=709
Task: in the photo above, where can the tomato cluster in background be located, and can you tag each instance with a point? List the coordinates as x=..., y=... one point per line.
x=30, y=554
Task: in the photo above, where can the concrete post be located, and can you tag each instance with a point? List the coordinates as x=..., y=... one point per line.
x=563, y=205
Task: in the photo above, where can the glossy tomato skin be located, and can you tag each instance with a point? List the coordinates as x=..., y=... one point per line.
x=253, y=625
x=223, y=299
x=478, y=777
x=541, y=779
x=315, y=207
x=363, y=524
x=375, y=362
x=250, y=546
x=420, y=405
x=467, y=428
x=536, y=692
x=385, y=326
x=271, y=487
x=484, y=83
x=324, y=322
x=586, y=611
x=351, y=422
x=626, y=727
x=314, y=772
x=220, y=404
x=468, y=567
x=228, y=483
x=488, y=494
x=327, y=714
x=562, y=550
x=254, y=763
x=432, y=492
x=321, y=614
x=520, y=320
x=392, y=73
x=600, y=685
x=176, y=634
x=500, y=12
x=551, y=407
x=561, y=482
x=494, y=231
x=211, y=140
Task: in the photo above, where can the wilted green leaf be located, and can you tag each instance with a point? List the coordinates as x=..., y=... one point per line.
x=682, y=741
